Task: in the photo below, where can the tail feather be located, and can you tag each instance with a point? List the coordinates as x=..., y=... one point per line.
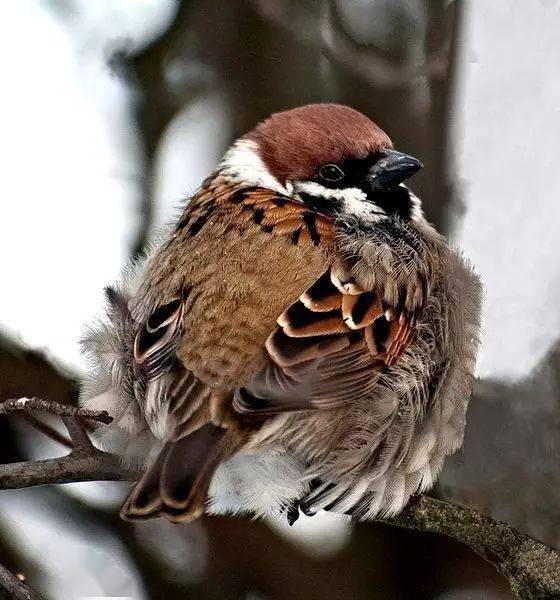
x=190, y=465
x=145, y=500
x=175, y=486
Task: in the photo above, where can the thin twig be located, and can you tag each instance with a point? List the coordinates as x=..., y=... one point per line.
x=84, y=463
x=78, y=434
x=62, y=410
x=47, y=430
x=15, y=587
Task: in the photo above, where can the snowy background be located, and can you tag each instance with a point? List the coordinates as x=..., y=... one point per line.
x=76, y=171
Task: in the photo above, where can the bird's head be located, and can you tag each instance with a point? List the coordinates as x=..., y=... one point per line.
x=330, y=157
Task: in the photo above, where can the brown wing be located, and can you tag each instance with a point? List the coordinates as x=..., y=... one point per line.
x=328, y=349
x=161, y=332
x=180, y=408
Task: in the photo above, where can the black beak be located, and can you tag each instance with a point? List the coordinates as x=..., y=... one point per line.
x=391, y=169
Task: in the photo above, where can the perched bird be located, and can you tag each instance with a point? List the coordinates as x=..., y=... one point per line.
x=303, y=339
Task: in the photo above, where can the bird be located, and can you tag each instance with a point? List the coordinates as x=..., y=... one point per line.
x=300, y=338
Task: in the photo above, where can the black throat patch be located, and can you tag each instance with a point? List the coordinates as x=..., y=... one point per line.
x=394, y=201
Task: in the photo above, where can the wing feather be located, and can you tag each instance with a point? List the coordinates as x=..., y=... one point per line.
x=329, y=347
x=181, y=409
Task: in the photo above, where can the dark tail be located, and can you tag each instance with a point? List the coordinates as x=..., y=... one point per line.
x=176, y=485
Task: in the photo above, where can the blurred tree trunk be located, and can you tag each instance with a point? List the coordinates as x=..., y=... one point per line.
x=404, y=81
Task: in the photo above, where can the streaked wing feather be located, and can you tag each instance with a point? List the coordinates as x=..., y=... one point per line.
x=176, y=404
x=328, y=349
x=155, y=342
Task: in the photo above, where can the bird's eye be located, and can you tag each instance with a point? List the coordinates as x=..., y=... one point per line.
x=331, y=172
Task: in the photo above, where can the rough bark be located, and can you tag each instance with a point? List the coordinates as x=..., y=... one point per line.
x=532, y=568
x=12, y=587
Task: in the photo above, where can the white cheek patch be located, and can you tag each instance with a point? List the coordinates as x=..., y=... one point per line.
x=351, y=201
x=243, y=163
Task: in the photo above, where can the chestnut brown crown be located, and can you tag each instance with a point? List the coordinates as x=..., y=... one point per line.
x=294, y=143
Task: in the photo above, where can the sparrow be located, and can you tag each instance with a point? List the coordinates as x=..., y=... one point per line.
x=302, y=339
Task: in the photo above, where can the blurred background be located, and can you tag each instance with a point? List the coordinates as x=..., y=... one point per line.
x=111, y=113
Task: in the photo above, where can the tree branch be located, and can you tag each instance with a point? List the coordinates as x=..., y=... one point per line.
x=62, y=410
x=78, y=434
x=15, y=587
x=75, y=467
x=84, y=463
x=531, y=567
x=47, y=430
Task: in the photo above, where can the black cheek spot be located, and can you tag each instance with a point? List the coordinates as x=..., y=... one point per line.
x=267, y=228
x=318, y=203
x=321, y=204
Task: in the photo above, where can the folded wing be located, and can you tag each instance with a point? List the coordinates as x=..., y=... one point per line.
x=328, y=349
